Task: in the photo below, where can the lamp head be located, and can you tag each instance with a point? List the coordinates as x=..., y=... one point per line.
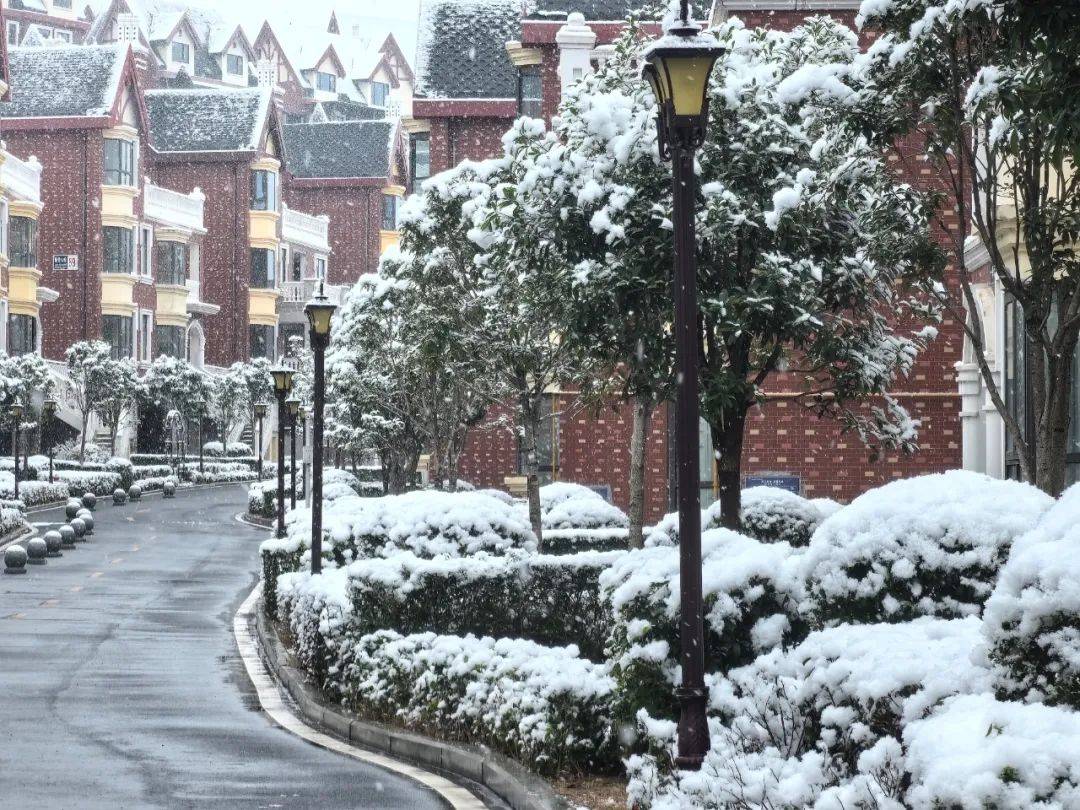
x=283, y=376
x=319, y=311
x=48, y=407
x=17, y=411
x=293, y=404
x=260, y=410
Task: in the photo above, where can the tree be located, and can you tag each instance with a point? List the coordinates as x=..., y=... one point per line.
x=988, y=92
x=88, y=362
x=25, y=379
x=119, y=389
x=228, y=404
x=176, y=386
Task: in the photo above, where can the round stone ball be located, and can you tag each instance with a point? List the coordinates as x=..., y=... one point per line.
x=168, y=489
x=88, y=521
x=67, y=536
x=84, y=513
x=15, y=560
x=53, y=541
x=72, y=508
x=89, y=500
x=135, y=492
x=36, y=551
x=119, y=497
x=78, y=527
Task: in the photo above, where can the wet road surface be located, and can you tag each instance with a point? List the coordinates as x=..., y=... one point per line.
x=120, y=683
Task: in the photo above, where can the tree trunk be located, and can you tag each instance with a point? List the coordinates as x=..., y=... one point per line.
x=530, y=429
x=727, y=441
x=112, y=441
x=642, y=409
x=1053, y=415
x=82, y=438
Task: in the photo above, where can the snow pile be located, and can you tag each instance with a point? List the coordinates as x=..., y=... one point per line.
x=751, y=593
x=551, y=495
x=32, y=493
x=584, y=513
x=230, y=449
x=11, y=519
x=544, y=706
x=770, y=514
x=930, y=545
x=1033, y=616
x=82, y=481
x=978, y=752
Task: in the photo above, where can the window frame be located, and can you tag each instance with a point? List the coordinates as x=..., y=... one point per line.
x=239, y=59
x=414, y=139
x=269, y=336
x=180, y=346
x=263, y=198
x=331, y=82
x=13, y=349
x=13, y=25
x=268, y=279
x=123, y=175
x=186, y=51
x=390, y=215
x=320, y=268
x=31, y=252
x=125, y=345
x=146, y=252
x=530, y=106
x=124, y=252
x=383, y=89
x=170, y=254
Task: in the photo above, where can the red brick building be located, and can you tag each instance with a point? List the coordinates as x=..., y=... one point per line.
x=481, y=64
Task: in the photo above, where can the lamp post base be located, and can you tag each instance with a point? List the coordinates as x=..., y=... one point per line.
x=693, y=727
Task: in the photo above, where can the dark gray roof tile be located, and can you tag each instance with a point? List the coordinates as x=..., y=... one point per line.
x=63, y=81
x=207, y=119
x=461, y=48
x=338, y=149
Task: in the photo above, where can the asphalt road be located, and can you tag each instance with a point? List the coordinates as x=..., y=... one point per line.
x=121, y=687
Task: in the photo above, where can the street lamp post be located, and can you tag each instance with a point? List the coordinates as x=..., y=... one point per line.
x=319, y=311
x=16, y=416
x=677, y=67
x=260, y=414
x=293, y=405
x=305, y=465
x=199, y=405
x=282, y=386
x=48, y=413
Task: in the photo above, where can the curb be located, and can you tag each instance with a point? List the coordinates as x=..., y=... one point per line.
x=514, y=784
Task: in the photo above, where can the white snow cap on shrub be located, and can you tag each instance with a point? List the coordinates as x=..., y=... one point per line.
x=584, y=513
x=552, y=495
x=978, y=752
x=497, y=494
x=1033, y=616
x=771, y=513
x=929, y=545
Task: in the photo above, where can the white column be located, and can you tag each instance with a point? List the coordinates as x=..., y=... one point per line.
x=993, y=427
x=971, y=400
x=575, y=40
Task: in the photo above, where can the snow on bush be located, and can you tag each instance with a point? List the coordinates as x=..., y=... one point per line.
x=498, y=495
x=33, y=493
x=220, y=476
x=584, y=513
x=571, y=541
x=930, y=545
x=751, y=595
x=1032, y=618
x=770, y=514
x=231, y=449
x=12, y=518
x=151, y=471
x=977, y=752
x=551, y=495
x=80, y=482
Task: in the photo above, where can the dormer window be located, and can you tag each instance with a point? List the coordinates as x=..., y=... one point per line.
x=61, y=3
x=326, y=82
x=119, y=162
x=530, y=95
x=380, y=92
x=234, y=64
x=181, y=53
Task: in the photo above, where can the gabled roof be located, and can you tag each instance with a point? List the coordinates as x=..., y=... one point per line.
x=347, y=110
x=208, y=119
x=593, y=10
x=461, y=49
x=345, y=149
x=65, y=81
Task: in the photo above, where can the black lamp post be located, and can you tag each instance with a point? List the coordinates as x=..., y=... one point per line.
x=677, y=67
x=293, y=406
x=199, y=406
x=303, y=416
x=282, y=386
x=319, y=311
x=260, y=414
x=16, y=417
x=48, y=413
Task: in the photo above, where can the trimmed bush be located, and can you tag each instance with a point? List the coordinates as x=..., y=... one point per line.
x=279, y=556
x=150, y=471
x=1033, y=616
x=551, y=495
x=751, y=595
x=232, y=449
x=219, y=477
x=80, y=482
x=584, y=513
x=770, y=514
x=571, y=541
x=11, y=519
x=925, y=546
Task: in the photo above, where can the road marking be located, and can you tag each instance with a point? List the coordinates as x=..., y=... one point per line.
x=115, y=560
x=96, y=574
x=50, y=603
x=15, y=616
x=266, y=687
x=76, y=589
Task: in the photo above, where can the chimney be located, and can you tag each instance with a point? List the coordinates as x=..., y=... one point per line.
x=127, y=28
x=266, y=73
x=575, y=41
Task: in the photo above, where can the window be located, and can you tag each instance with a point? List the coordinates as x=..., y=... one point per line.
x=12, y=32
x=389, y=212
x=63, y=36
x=262, y=341
x=299, y=265
x=117, y=250
x=22, y=241
x=172, y=261
x=262, y=268
x=181, y=52
x=292, y=336
x=234, y=64
x=284, y=265
x=116, y=330
x=327, y=82
x=119, y=162
x=380, y=93
x=146, y=241
x=4, y=224
x=263, y=190
x=419, y=158
x=320, y=269
x=169, y=341
x=146, y=331
x=62, y=3
x=22, y=334
x=529, y=91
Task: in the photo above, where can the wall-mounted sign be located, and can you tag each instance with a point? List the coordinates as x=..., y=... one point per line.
x=65, y=262
x=792, y=483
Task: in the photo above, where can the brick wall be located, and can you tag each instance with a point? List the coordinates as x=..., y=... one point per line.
x=456, y=139
x=224, y=258
x=355, y=216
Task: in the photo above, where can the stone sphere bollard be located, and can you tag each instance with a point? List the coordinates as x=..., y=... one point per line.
x=89, y=500
x=72, y=508
x=52, y=543
x=85, y=516
x=67, y=536
x=15, y=560
x=135, y=492
x=168, y=489
x=119, y=497
x=79, y=527
x=36, y=551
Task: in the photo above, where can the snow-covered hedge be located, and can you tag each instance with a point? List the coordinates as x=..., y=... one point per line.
x=79, y=482
x=1033, y=616
x=151, y=471
x=930, y=545
x=571, y=541
x=220, y=476
x=545, y=598
x=498, y=495
x=770, y=514
x=751, y=595
x=231, y=449
x=33, y=493
x=11, y=519
x=584, y=513
x=551, y=495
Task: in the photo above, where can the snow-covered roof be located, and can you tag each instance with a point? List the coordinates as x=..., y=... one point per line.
x=557, y=10
x=339, y=149
x=70, y=80
x=461, y=48
x=207, y=119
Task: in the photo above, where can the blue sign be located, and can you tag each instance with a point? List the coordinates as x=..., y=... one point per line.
x=792, y=483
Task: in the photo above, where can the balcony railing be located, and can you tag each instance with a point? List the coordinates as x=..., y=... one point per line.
x=22, y=177
x=174, y=209
x=304, y=229
x=300, y=292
